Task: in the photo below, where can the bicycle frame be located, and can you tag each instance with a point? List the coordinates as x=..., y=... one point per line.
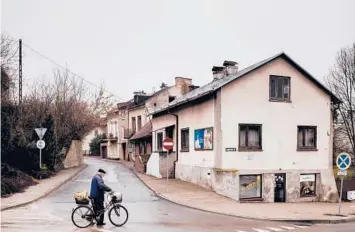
x=106, y=208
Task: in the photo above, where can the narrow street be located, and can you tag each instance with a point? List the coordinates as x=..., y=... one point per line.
x=147, y=212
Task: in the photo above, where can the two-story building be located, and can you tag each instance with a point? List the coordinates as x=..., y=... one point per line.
x=140, y=119
x=262, y=133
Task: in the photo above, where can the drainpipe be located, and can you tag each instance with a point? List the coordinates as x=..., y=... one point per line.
x=177, y=139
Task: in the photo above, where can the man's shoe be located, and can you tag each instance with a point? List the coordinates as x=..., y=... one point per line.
x=101, y=224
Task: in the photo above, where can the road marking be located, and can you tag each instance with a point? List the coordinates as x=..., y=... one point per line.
x=240, y=231
x=287, y=227
x=274, y=229
x=302, y=227
x=258, y=230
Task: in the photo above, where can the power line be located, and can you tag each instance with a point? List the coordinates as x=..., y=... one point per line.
x=61, y=66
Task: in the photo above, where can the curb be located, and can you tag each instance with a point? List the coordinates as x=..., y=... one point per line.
x=309, y=221
x=49, y=192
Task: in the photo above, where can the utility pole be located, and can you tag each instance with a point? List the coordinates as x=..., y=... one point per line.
x=20, y=73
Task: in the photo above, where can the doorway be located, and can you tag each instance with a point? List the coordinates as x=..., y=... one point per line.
x=104, y=152
x=280, y=187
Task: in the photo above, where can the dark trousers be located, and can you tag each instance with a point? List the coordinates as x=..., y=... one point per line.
x=99, y=206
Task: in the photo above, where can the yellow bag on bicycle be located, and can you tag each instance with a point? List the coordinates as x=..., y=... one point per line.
x=82, y=197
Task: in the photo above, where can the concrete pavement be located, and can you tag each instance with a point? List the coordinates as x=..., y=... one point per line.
x=196, y=197
x=147, y=212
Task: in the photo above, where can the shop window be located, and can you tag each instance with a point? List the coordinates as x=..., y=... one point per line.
x=249, y=186
x=308, y=185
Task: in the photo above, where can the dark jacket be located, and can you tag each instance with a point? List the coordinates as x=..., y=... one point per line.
x=98, y=188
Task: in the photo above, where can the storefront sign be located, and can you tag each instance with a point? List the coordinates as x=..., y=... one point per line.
x=305, y=178
x=231, y=149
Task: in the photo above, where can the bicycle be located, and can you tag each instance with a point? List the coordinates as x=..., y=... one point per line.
x=90, y=213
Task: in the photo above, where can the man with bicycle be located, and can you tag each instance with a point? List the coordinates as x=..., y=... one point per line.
x=97, y=193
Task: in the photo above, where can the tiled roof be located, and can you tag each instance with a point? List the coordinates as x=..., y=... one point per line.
x=145, y=131
x=215, y=85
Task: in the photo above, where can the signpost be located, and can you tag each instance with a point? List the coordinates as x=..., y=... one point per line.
x=168, y=144
x=40, y=143
x=343, y=162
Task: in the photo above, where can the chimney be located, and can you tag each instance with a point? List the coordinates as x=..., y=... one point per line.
x=163, y=85
x=180, y=81
x=139, y=97
x=218, y=72
x=231, y=67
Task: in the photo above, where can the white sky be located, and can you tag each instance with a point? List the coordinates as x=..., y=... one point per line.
x=136, y=44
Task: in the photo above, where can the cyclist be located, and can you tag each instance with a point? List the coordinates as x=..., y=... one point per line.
x=97, y=191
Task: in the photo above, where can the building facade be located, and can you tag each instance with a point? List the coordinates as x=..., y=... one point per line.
x=263, y=133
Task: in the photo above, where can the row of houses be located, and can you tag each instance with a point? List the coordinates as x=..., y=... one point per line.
x=263, y=133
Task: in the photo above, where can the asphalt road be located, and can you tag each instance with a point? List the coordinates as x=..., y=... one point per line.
x=147, y=212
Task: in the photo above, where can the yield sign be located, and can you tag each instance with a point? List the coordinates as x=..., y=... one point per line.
x=40, y=132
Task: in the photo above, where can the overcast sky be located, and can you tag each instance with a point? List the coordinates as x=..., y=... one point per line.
x=137, y=44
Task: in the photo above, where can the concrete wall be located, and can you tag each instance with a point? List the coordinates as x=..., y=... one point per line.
x=166, y=165
x=74, y=157
x=153, y=165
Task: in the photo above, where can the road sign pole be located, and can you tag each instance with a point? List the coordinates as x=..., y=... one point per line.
x=40, y=158
x=341, y=193
x=167, y=175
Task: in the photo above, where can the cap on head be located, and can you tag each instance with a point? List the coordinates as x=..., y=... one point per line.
x=101, y=171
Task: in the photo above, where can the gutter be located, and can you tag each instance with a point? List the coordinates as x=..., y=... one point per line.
x=177, y=139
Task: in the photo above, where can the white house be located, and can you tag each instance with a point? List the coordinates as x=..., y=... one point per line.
x=263, y=133
x=89, y=136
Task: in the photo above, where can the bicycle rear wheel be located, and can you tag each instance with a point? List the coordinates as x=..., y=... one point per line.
x=82, y=216
x=118, y=215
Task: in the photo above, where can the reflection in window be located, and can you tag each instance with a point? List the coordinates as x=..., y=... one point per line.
x=250, y=186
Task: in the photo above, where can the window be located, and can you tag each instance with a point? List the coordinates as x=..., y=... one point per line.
x=249, y=137
x=140, y=147
x=171, y=98
x=185, y=139
x=160, y=141
x=144, y=147
x=249, y=186
x=279, y=88
x=133, y=125
x=307, y=185
x=307, y=138
x=139, y=119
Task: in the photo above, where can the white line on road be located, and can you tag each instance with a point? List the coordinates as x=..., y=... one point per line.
x=302, y=227
x=258, y=230
x=240, y=231
x=274, y=229
x=287, y=227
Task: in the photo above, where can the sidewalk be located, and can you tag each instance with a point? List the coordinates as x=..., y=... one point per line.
x=196, y=197
x=40, y=190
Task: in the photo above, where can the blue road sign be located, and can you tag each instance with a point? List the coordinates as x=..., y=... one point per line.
x=343, y=161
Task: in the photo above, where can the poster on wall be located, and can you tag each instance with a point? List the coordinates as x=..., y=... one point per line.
x=307, y=185
x=204, y=139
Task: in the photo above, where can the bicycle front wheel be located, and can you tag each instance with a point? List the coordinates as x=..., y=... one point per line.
x=82, y=216
x=118, y=215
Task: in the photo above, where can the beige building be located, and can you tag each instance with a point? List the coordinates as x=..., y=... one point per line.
x=263, y=133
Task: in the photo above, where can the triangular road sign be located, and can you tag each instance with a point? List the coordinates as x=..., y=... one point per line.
x=40, y=132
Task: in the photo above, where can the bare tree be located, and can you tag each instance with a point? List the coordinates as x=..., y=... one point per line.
x=341, y=80
x=9, y=59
